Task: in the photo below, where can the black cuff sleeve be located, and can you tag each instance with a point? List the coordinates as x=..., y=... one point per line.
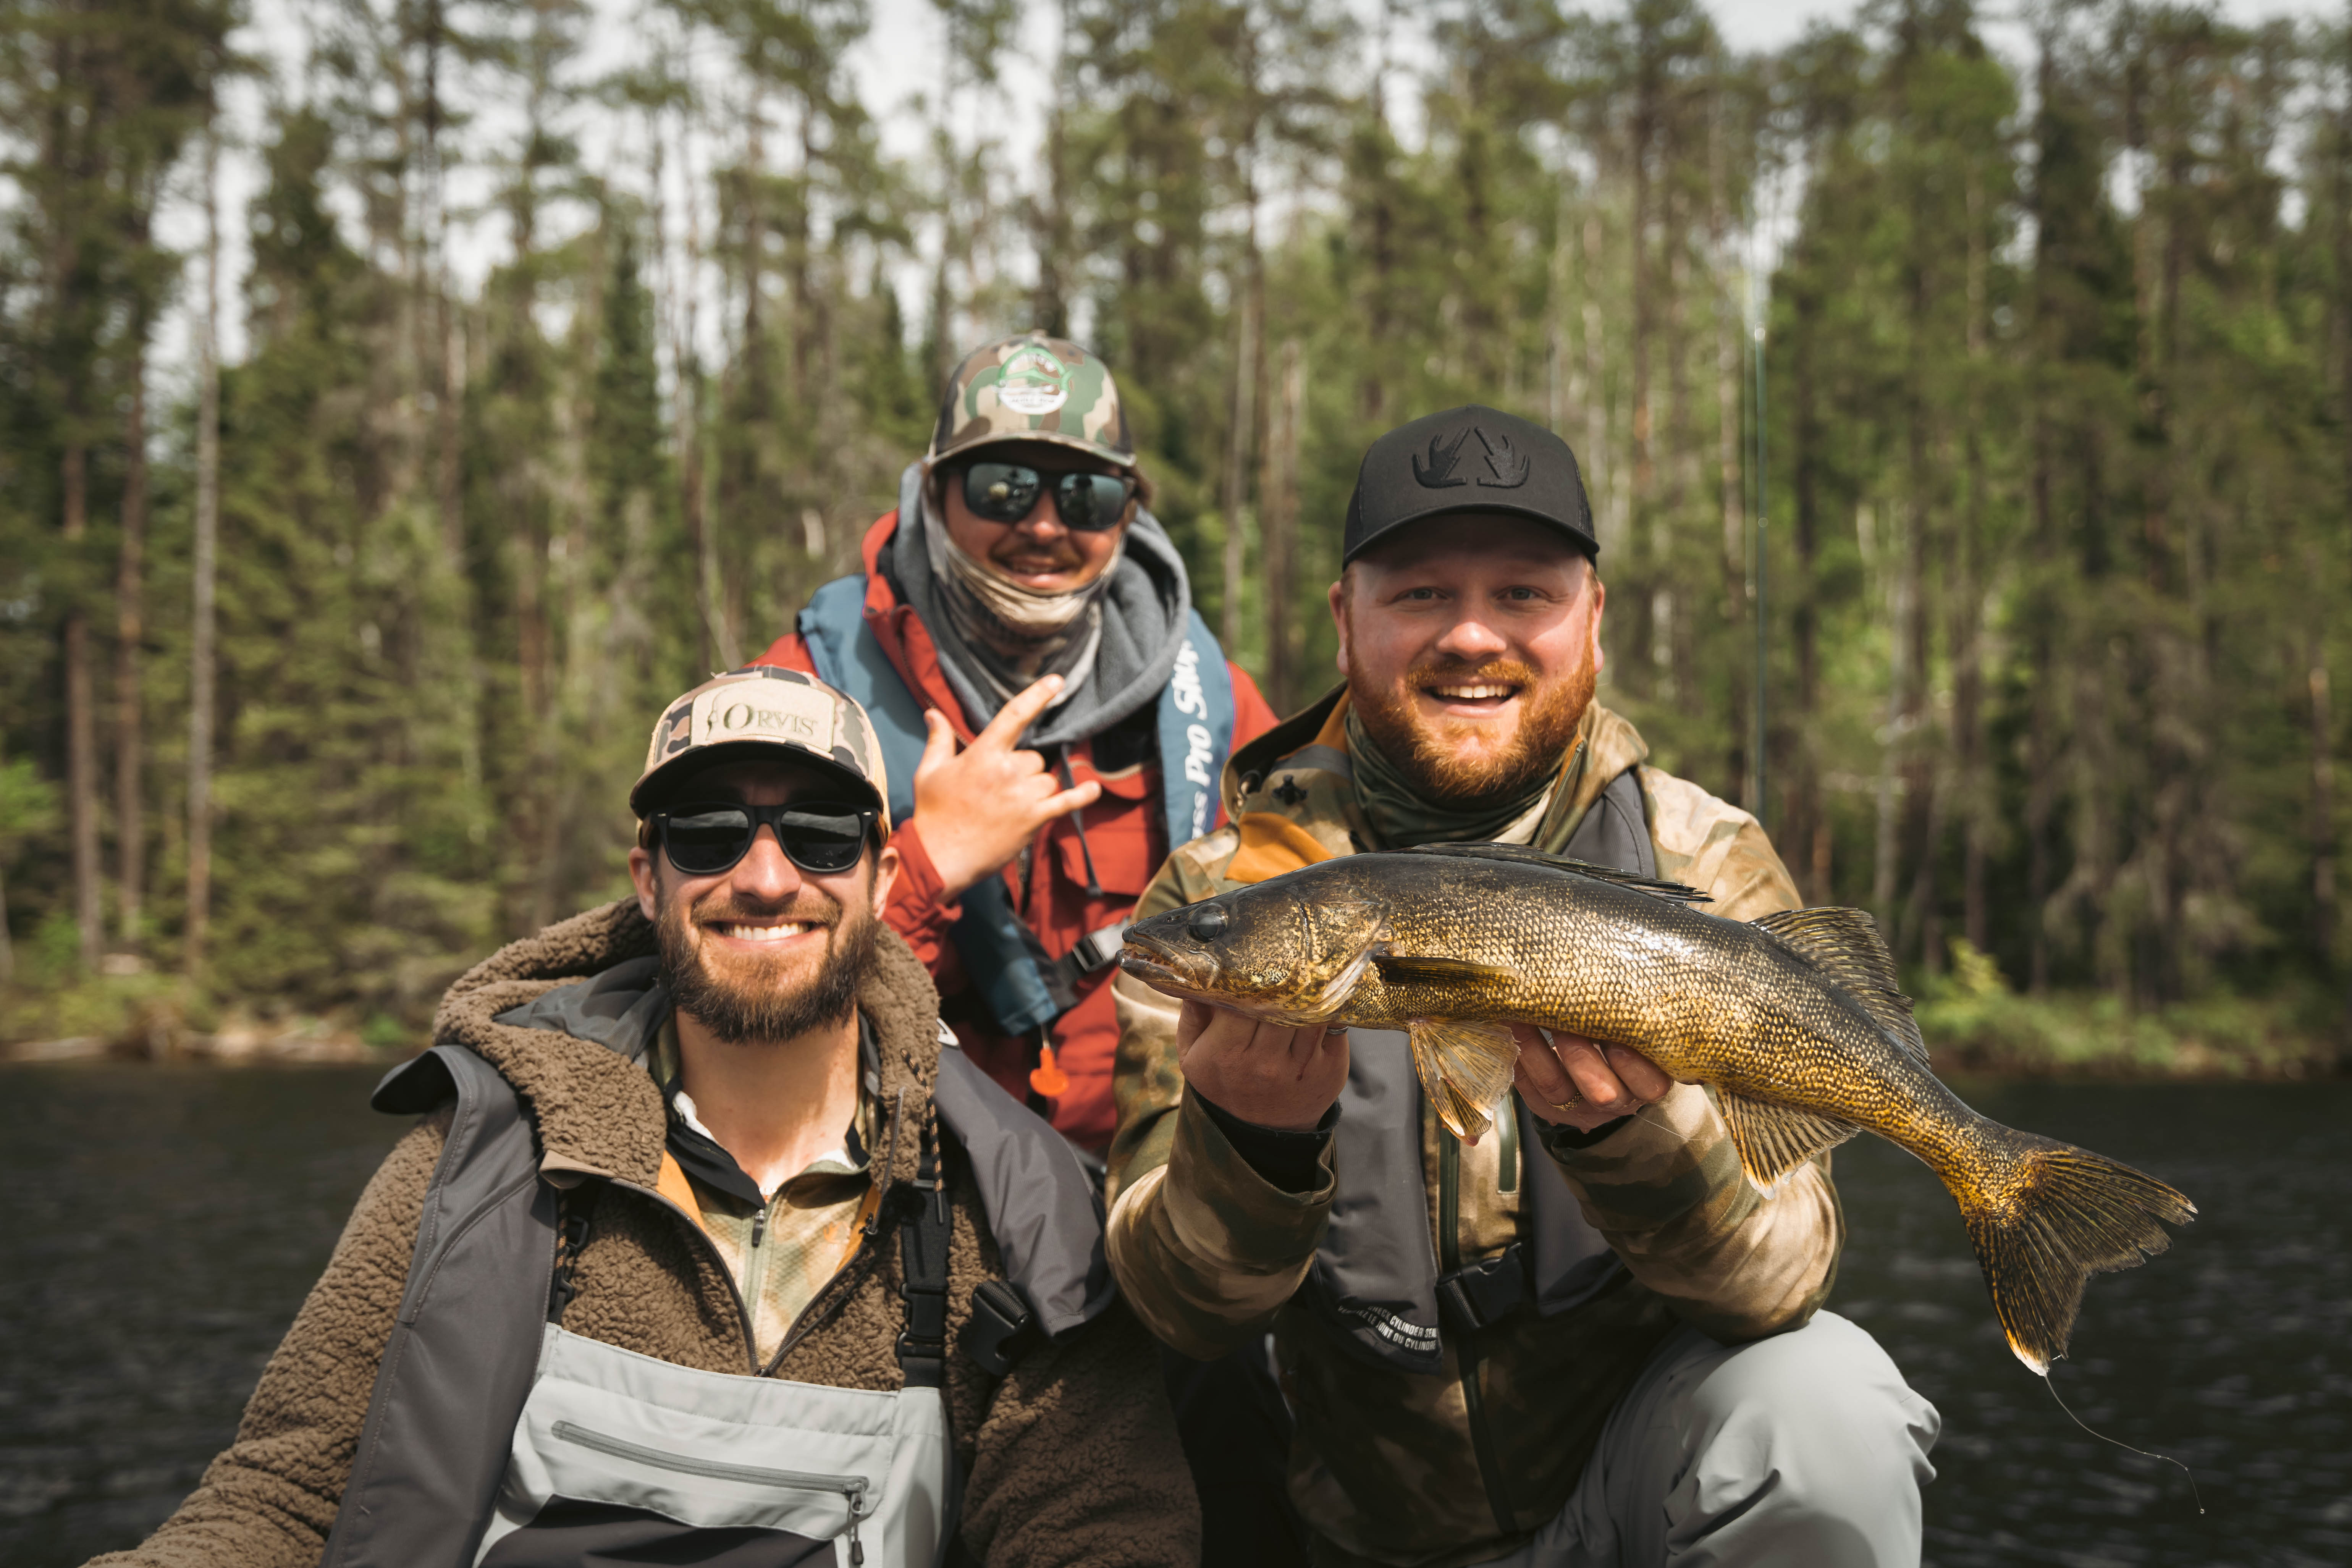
x=1291, y=1161
x=1555, y=1136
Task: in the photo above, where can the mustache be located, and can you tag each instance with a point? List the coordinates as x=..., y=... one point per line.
x=806, y=906
x=1057, y=554
x=1455, y=671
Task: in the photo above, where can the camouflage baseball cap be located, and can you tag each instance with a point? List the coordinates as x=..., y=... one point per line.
x=1033, y=388
x=761, y=709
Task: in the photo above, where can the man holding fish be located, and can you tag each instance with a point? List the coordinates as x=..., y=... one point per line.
x=1564, y=1330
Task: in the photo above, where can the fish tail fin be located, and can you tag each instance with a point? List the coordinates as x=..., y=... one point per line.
x=2044, y=1217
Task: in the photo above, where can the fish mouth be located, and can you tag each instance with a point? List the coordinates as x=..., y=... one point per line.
x=1162, y=968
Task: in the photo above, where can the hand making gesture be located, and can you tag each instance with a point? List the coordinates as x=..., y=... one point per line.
x=980, y=806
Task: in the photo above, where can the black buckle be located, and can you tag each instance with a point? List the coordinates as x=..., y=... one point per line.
x=1001, y=1330
x=1094, y=952
x=1481, y=1294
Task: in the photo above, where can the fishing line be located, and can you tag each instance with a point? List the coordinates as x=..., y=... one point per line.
x=2195, y=1495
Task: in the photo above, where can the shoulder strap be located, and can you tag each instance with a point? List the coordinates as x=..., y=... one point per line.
x=924, y=1230
x=848, y=659
x=1196, y=733
x=1017, y=981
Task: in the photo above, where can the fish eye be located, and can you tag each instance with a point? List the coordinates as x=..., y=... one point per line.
x=1209, y=923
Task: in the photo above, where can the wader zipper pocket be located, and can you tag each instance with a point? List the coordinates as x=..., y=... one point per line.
x=851, y=1487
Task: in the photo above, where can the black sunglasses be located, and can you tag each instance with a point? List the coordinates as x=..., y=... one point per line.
x=1007, y=492
x=702, y=840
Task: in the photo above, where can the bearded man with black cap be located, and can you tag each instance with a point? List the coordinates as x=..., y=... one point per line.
x=1585, y=1339
x=1055, y=711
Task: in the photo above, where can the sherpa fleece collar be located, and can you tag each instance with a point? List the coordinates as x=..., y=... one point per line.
x=599, y=1112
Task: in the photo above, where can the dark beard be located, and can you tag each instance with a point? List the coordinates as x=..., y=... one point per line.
x=1441, y=772
x=764, y=1009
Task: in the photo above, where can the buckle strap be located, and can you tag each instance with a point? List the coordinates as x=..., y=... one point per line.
x=1094, y=952
x=1480, y=1295
x=923, y=1236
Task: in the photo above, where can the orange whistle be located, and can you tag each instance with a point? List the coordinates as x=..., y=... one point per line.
x=1045, y=1077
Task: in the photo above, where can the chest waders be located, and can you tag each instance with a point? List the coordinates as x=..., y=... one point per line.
x=494, y=1436
x=623, y=1457
x=1374, y=1280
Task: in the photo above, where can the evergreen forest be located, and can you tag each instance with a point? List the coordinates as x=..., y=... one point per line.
x=1998, y=399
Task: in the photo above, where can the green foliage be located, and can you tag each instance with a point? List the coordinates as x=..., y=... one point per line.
x=2055, y=349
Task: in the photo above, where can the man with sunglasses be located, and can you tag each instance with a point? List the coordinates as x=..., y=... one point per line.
x=710, y=1246
x=1054, y=712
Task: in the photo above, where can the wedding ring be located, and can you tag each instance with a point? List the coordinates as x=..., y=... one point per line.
x=1568, y=1104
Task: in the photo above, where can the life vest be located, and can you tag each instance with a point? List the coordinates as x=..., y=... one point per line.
x=1021, y=986
x=494, y=1437
x=1374, y=1280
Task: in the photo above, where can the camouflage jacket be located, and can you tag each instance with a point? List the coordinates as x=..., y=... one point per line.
x=1428, y=1470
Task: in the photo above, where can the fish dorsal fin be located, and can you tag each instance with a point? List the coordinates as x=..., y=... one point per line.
x=1464, y=1065
x=1774, y=1139
x=1844, y=945
x=1674, y=891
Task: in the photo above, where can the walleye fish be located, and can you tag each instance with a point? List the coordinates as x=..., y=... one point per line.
x=1795, y=1019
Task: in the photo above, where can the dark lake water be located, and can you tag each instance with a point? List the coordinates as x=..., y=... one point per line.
x=165, y=1225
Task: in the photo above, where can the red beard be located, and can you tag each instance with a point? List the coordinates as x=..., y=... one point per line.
x=1433, y=753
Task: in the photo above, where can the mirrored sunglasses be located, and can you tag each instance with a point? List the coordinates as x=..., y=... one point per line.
x=1007, y=492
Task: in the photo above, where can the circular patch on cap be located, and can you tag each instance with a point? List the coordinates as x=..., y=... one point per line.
x=1032, y=383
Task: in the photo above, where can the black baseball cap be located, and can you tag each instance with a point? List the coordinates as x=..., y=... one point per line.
x=1467, y=459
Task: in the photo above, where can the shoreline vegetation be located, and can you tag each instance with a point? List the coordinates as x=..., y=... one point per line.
x=1975, y=1024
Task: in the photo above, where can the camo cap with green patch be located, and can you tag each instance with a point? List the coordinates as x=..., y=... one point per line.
x=763, y=708
x=1033, y=388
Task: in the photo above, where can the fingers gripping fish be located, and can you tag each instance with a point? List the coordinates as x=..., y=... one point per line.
x=1795, y=1019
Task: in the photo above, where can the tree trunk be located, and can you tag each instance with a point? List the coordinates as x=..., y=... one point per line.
x=1641, y=646
x=1810, y=826
x=1596, y=360
x=1050, y=306
x=2042, y=739
x=1969, y=783
x=1922, y=823
x=2322, y=812
x=81, y=719
x=130, y=630
x=1238, y=441
x=1737, y=605
x=1278, y=532
x=7, y=947
x=200, y=675
x=1885, y=845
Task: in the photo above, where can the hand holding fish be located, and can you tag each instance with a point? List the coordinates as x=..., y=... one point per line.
x=1570, y=1081
x=1796, y=1020
x=1273, y=1075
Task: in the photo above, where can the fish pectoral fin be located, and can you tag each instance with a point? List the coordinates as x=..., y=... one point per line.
x=1844, y=944
x=1773, y=1139
x=1404, y=966
x=1465, y=1067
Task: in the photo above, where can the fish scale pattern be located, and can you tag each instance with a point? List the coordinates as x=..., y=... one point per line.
x=1787, y=1039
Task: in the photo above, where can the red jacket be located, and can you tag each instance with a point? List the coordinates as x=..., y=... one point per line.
x=1124, y=828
